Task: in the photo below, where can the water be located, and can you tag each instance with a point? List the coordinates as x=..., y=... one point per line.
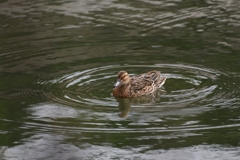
x=59, y=60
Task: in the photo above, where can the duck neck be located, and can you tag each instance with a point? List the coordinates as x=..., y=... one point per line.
x=124, y=88
x=122, y=91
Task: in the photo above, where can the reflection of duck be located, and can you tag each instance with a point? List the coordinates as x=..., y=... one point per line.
x=139, y=85
x=124, y=104
x=124, y=107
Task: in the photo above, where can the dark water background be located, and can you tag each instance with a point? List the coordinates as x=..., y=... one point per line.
x=59, y=60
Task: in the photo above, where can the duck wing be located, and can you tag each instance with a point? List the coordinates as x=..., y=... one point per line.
x=144, y=80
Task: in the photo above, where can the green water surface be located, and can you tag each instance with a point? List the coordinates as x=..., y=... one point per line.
x=59, y=60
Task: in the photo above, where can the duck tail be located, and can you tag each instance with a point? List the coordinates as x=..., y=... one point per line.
x=161, y=81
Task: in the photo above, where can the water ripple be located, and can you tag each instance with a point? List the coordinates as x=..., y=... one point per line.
x=185, y=85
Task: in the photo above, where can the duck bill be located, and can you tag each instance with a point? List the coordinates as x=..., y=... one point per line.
x=117, y=83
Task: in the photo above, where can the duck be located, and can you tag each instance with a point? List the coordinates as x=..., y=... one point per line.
x=138, y=85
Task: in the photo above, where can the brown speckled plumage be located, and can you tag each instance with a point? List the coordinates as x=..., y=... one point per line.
x=139, y=85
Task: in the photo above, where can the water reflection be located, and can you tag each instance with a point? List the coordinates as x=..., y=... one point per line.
x=43, y=150
x=124, y=104
x=124, y=107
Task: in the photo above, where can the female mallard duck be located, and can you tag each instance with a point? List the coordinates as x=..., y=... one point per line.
x=139, y=85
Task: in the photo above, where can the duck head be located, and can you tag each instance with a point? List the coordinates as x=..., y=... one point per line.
x=123, y=79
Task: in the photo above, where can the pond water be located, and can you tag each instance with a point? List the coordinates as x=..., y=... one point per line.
x=59, y=60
